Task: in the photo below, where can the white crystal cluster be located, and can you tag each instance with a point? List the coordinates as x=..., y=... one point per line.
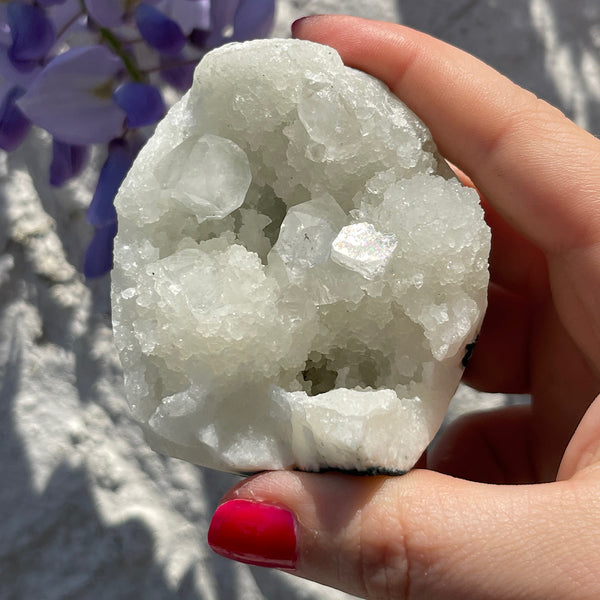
x=297, y=272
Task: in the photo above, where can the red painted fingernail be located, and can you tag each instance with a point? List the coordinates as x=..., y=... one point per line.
x=299, y=22
x=254, y=533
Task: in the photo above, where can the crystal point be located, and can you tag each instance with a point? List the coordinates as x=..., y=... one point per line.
x=362, y=248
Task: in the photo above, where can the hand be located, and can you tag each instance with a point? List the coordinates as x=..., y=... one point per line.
x=445, y=532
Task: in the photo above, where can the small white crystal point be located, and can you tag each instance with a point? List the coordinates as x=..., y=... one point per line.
x=306, y=234
x=208, y=175
x=297, y=273
x=360, y=247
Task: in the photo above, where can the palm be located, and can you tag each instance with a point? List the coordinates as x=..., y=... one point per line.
x=528, y=344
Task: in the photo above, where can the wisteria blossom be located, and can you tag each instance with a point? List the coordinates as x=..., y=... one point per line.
x=94, y=71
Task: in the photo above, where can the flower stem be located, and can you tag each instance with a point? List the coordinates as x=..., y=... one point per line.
x=113, y=41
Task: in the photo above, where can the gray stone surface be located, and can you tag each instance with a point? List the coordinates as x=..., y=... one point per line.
x=88, y=510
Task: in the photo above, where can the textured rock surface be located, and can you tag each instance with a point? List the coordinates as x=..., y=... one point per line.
x=90, y=511
x=297, y=272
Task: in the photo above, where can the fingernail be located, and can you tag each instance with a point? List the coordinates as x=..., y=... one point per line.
x=254, y=533
x=296, y=25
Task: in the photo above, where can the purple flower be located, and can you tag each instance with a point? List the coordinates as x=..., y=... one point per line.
x=142, y=103
x=67, y=162
x=253, y=19
x=32, y=35
x=158, y=30
x=189, y=14
x=72, y=97
x=14, y=125
x=120, y=157
x=101, y=213
x=221, y=19
x=67, y=17
x=177, y=71
x=107, y=13
x=240, y=20
x=46, y=3
x=99, y=255
x=11, y=73
x=76, y=69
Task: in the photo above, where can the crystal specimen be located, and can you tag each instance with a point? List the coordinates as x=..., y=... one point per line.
x=297, y=272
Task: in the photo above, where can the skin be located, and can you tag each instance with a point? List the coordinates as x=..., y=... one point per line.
x=450, y=531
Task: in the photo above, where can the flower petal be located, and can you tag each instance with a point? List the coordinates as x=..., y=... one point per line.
x=69, y=17
x=12, y=74
x=106, y=13
x=253, y=19
x=159, y=31
x=14, y=125
x=32, y=35
x=178, y=73
x=101, y=211
x=99, y=255
x=67, y=162
x=222, y=14
x=142, y=102
x=46, y=3
x=189, y=15
x=72, y=97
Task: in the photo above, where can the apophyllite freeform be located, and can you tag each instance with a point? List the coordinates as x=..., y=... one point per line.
x=297, y=271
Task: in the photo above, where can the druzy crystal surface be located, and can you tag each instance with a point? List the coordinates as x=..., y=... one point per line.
x=297, y=272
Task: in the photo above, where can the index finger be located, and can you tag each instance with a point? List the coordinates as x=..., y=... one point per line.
x=536, y=168
x=534, y=165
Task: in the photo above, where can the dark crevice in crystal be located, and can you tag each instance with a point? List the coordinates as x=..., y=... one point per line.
x=276, y=210
x=319, y=376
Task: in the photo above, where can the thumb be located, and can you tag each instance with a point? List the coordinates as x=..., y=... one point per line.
x=423, y=535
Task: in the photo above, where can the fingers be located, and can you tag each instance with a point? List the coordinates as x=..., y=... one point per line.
x=500, y=362
x=489, y=447
x=534, y=166
x=556, y=375
x=562, y=387
x=532, y=163
x=583, y=451
x=515, y=263
x=419, y=536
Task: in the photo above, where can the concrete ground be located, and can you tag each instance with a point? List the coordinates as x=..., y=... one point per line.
x=88, y=511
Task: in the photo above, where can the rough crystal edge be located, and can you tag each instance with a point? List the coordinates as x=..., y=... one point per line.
x=368, y=472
